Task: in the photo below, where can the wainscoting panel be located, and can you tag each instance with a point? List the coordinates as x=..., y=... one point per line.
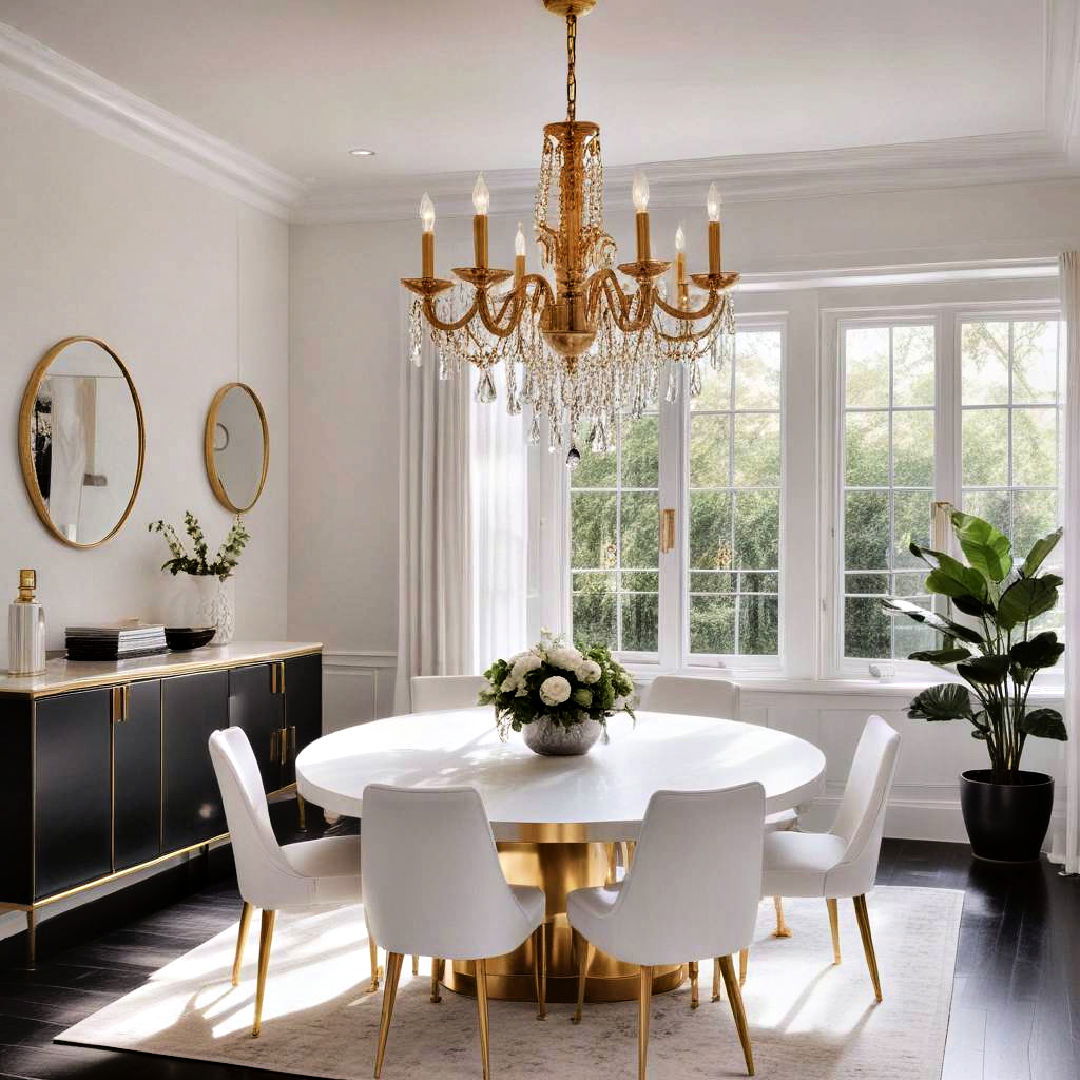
x=357, y=687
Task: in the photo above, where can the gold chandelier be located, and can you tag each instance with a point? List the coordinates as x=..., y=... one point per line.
x=583, y=348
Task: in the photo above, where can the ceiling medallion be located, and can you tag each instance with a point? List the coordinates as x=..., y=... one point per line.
x=583, y=348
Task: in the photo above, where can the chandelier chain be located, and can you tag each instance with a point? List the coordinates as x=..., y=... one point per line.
x=571, y=65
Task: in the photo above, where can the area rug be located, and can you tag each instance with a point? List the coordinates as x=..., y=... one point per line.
x=809, y=1019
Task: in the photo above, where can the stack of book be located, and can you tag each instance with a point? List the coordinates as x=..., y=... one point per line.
x=115, y=641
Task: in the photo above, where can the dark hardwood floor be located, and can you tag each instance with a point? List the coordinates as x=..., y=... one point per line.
x=1015, y=1011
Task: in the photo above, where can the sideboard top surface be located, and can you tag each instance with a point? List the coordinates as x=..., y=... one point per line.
x=61, y=675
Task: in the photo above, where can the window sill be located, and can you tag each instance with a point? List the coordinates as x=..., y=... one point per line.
x=779, y=683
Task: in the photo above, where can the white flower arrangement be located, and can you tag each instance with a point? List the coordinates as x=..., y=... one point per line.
x=556, y=680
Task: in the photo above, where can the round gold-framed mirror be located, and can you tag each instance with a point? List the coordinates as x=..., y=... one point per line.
x=236, y=445
x=82, y=441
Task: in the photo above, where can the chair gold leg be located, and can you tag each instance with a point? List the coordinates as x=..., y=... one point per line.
x=782, y=929
x=694, y=1001
x=862, y=916
x=482, y=1011
x=264, y=965
x=744, y=963
x=393, y=974
x=834, y=926
x=301, y=811
x=415, y=965
x=540, y=970
x=645, y=975
x=241, y=937
x=581, y=951
x=727, y=969
x=436, y=978
x=716, y=980
x=373, y=957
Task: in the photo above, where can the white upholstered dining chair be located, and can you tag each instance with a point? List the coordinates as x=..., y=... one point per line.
x=693, y=891
x=842, y=863
x=311, y=874
x=413, y=836
x=432, y=692
x=701, y=696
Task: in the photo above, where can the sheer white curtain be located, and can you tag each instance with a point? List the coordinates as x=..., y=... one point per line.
x=435, y=608
x=1070, y=305
x=499, y=495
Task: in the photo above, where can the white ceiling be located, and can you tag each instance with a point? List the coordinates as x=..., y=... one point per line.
x=444, y=86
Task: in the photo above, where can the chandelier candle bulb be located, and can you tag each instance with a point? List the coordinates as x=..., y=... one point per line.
x=713, y=205
x=519, y=256
x=481, y=198
x=640, y=193
x=427, y=237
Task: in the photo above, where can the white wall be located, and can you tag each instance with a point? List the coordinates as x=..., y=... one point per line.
x=346, y=357
x=190, y=287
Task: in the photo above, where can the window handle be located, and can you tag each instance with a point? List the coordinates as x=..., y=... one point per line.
x=667, y=530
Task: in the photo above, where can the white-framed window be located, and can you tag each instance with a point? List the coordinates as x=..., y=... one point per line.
x=939, y=404
x=714, y=463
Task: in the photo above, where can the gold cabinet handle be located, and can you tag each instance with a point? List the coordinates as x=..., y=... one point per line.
x=292, y=742
x=667, y=530
x=117, y=708
x=274, y=753
x=273, y=677
x=281, y=677
x=127, y=701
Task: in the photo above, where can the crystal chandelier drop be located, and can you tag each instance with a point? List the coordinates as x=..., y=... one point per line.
x=583, y=348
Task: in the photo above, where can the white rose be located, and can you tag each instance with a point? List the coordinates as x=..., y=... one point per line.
x=564, y=657
x=524, y=663
x=588, y=671
x=554, y=690
x=508, y=684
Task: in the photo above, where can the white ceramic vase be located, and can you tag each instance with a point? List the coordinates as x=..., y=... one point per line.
x=213, y=603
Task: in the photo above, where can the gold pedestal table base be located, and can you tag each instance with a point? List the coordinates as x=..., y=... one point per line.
x=559, y=869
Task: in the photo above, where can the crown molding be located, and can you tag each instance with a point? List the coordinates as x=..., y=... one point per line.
x=33, y=69
x=987, y=159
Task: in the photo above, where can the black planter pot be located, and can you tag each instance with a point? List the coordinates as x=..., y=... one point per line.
x=1006, y=822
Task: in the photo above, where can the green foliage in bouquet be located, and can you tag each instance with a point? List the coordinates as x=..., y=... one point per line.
x=198, y=561
x=997, y=597
x=555, y=680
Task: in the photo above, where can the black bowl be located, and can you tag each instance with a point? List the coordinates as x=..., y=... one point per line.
x=184, y=638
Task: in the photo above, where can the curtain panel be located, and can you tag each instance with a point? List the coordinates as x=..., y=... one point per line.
x=435, y=594
x=1070, y=306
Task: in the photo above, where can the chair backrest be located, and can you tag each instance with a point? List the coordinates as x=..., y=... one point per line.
x=260, y=863
x=433, y=884
x=695, y=883
x=860, y=818
x=432, y=692
x=693, y=695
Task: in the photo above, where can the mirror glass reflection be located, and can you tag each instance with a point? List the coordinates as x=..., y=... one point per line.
x=85, y=443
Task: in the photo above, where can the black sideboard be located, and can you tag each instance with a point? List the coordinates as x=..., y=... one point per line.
x=105, y=769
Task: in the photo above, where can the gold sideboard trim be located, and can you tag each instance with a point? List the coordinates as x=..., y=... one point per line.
x=113, y=678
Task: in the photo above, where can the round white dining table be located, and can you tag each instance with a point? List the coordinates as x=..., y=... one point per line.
x=558, y=820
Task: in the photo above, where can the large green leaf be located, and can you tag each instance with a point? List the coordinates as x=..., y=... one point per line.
x=985, y=670
x=973, y=605
x=932, y=619
x=953, y=578
x=986, y=548
x=1042, y=651
x=1039, y=550
x=946, y=701
x=1044, y=724
x=940, y=656
x=1026, y=598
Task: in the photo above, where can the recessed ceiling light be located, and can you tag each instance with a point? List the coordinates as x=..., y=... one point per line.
x=360, y=151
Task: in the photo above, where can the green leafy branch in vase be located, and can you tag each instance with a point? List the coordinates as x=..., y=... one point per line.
x=197, y=561
x=997, y=598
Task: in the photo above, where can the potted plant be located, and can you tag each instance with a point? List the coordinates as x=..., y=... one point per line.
x=558, y=696
x=990, y=646
x=214, y=602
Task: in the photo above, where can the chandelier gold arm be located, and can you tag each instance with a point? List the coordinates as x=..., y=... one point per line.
x=447, y=327
x=689, y=336
x=493, y=321
x=604, y=287
x=702, y=312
